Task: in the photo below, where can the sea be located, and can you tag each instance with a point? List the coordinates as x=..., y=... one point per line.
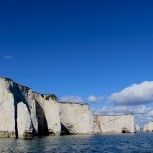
x=108, y=143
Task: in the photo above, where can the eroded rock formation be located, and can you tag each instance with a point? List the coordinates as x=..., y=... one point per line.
x=96, y=125
x=24, y=123
x=41, y=112
x=116, y=123
x=47, y=111
x=76, y=118
x=7, y=110
x=24, y=114
x=148, y=127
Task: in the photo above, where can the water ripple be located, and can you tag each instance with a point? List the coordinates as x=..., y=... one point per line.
x=127, y=143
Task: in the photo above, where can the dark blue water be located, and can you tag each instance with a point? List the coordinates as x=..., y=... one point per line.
x=125, y=143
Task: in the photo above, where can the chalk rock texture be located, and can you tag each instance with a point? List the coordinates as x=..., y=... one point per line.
x=96, y=125
x=25, y=95
x=137, y=128
x=47, y=108
x=38, y=113
x=116, y=123
x=7, y=110
x=24, y=123
x=148, y=127
x=145, y=129
x=76, y=118
x=24, y=114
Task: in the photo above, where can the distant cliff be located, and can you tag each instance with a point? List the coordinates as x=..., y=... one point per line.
x=24, y=114
x=115, y=124
x=148, y=127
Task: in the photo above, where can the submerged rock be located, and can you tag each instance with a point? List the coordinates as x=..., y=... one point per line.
x=76, y=118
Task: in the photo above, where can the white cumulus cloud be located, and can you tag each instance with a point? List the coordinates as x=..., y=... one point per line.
x=95, y=99
x=136, y=94
x=142, y=113
x=74, y=99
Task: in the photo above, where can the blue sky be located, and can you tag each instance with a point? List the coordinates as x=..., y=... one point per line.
x=80, y=50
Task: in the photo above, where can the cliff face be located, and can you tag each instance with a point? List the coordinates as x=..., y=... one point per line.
x=116, y=123
x=96, y=125
x=7, y=110
x=20, y=105
x=76, y=118
x=148, y=127
x=24, y=114
x=24, y=123
x=47, y=110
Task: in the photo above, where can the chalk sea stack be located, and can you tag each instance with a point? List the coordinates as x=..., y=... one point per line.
x=76, y=118
x=148, y=127
x=115, y=123
x=25, y=114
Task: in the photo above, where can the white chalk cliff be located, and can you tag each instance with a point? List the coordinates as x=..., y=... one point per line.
x=7, y=110
x=76, y=118
x=96, y=124
x=115, y=124
x=47, y=110
x=38, y=113
x=24, y=114
x=24, y=123
x=148, y=127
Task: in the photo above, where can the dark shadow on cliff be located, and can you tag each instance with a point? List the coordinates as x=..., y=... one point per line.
x=15, y=109
x=19, y=97
x=17, y=100
x=125, y=130
x=42, y=122
x=64, y=130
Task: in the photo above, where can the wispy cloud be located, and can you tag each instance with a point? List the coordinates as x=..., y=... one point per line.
x=74, y=99
x=95, y=99
x=8, y=56
x=136, y=94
